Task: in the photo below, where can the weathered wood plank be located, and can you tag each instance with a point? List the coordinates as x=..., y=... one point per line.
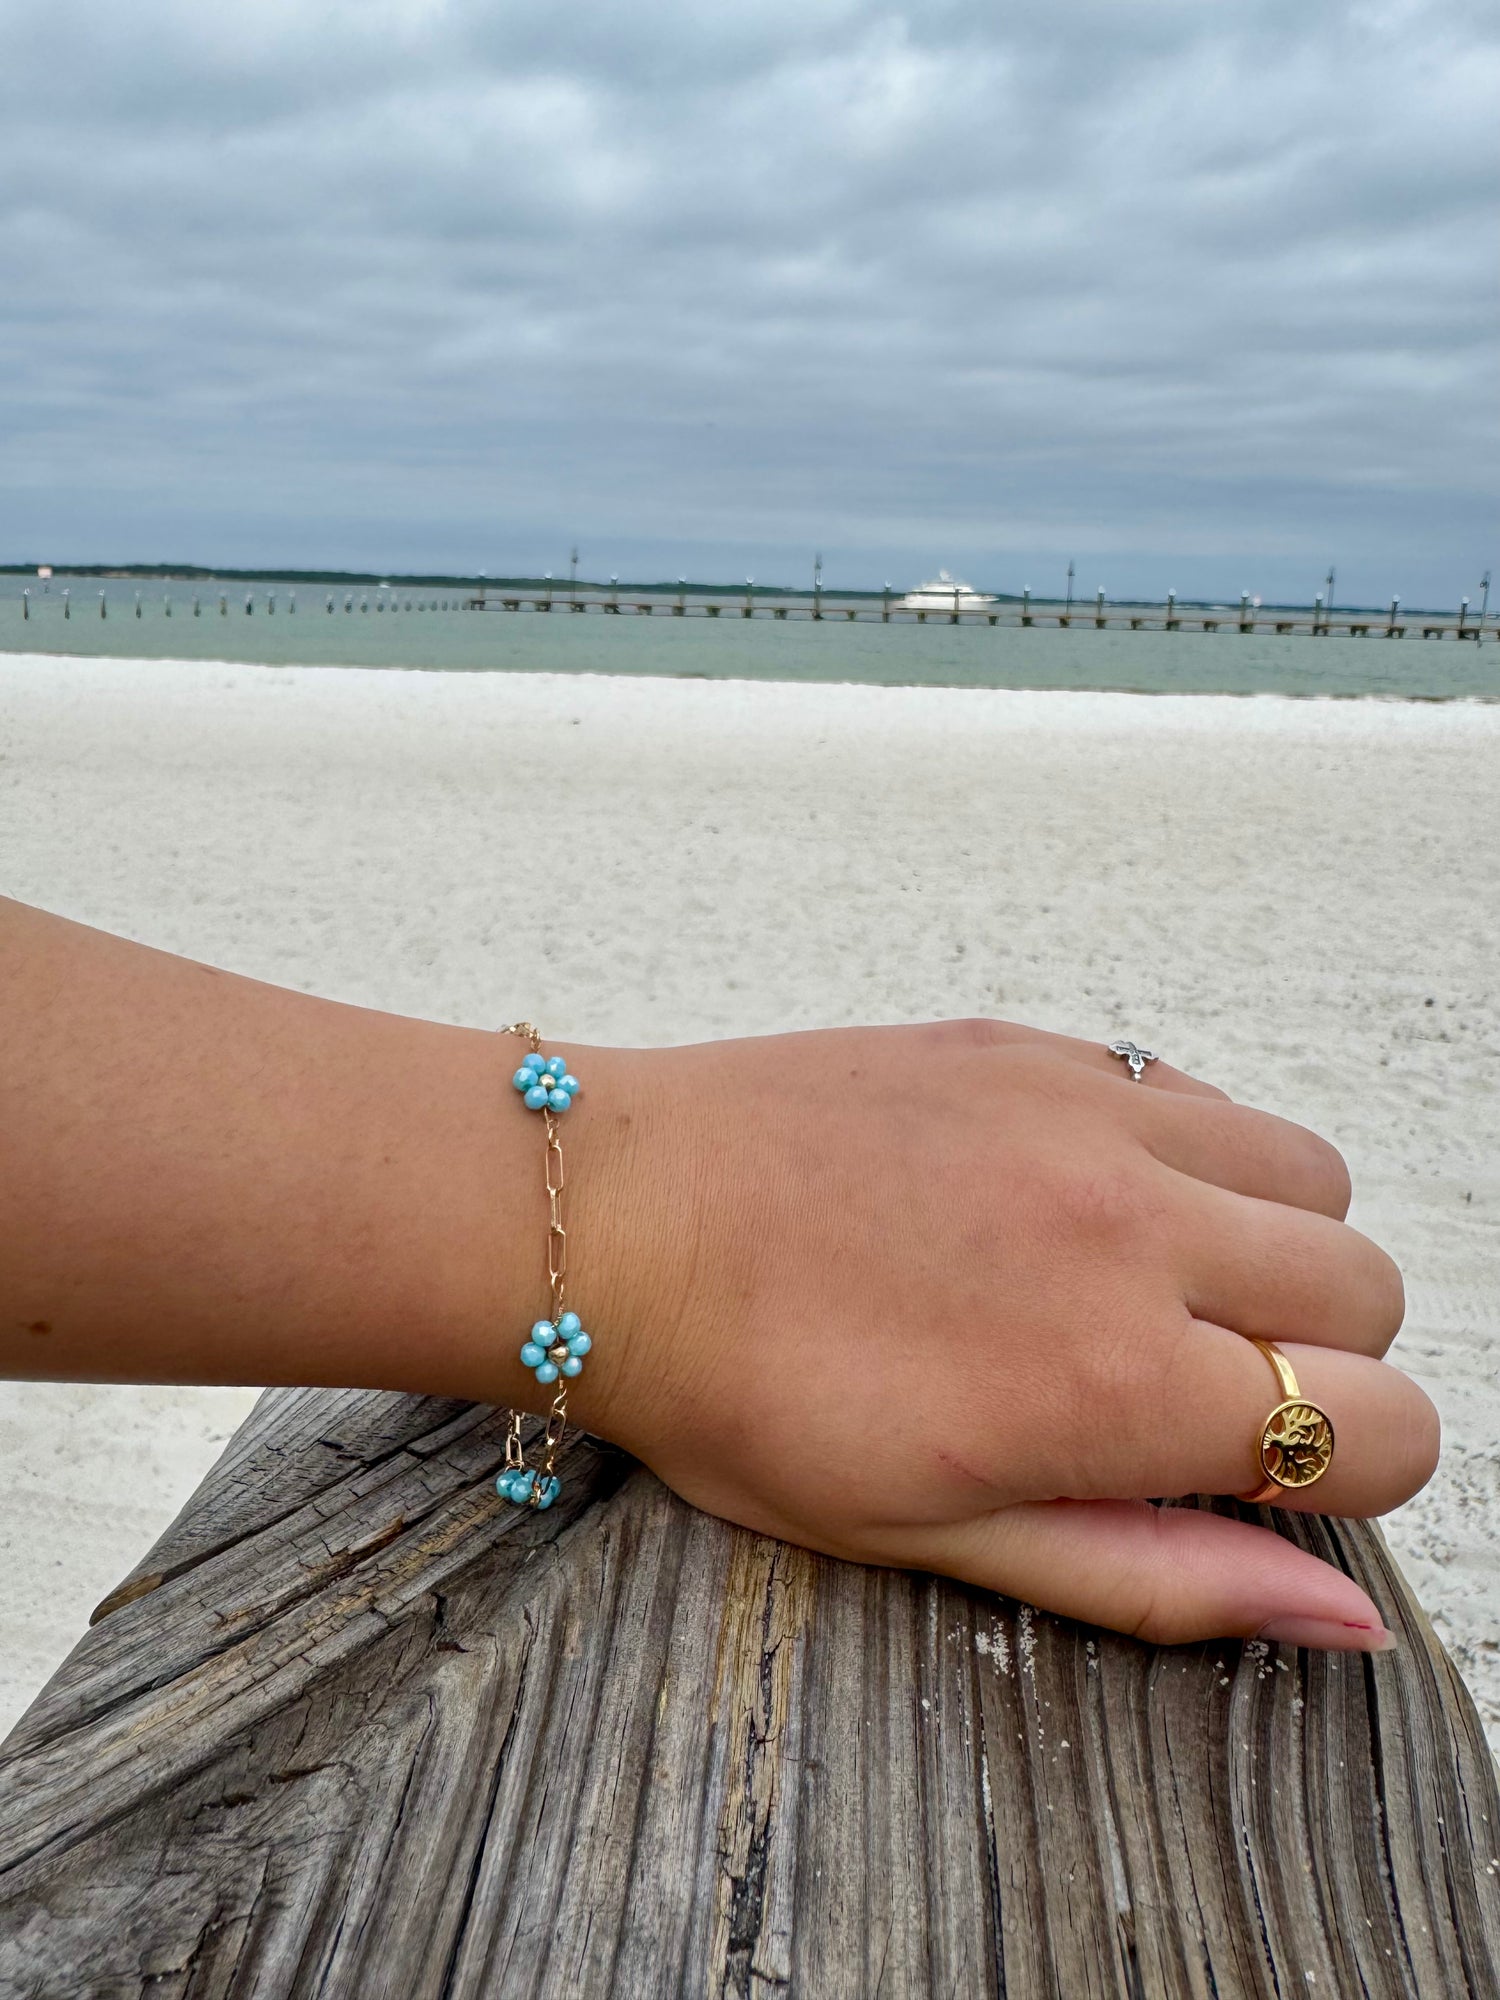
x=374, y=1733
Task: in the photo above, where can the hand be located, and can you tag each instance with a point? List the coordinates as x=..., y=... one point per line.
x=963, y=1297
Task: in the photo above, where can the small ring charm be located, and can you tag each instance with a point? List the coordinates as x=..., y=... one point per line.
x=1295, y=1443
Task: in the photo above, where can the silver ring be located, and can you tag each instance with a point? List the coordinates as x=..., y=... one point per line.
x=1137, y=1058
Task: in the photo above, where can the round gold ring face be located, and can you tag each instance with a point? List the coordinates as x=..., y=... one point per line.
x=1296, y=1444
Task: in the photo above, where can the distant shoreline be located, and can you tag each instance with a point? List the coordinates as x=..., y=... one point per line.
x=665, y=586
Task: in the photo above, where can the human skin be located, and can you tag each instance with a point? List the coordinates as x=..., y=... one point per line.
x=957, y=1296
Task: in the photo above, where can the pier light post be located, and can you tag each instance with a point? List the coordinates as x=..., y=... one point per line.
x=885, y=603
x=818, y=585
x=1171, y=619
x=1099, y=608
x=749, y=595
x=681, y=597
x=1025, y=603
x=1068, y=601
x=1317, y=613
x=103, y=608
x=1484, y=602
x=573, y=571
x=614, y=592
x=67, y=606
x=25, y=606
x=1463, y=615
x=1244, y=611
x=138, y=604
x=1328, y=596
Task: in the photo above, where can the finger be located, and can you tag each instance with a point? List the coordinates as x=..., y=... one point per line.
x=1192, y=1421
x=1156, y=1075
x=1283, y=1273
x=1166, y=1574
x=1245, y=1151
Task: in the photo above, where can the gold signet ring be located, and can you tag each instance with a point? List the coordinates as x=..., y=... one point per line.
x=1295, y=1443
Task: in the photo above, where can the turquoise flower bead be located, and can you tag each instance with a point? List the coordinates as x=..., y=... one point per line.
x=551, y=1350
x=518, y=1483
x=546, y=1085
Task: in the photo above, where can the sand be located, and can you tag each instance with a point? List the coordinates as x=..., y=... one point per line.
x=1294, y=898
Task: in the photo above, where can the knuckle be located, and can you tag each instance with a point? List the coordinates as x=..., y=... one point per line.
x=1161, y=1614
x=1105, y=1202
x=976, y=1031
x=1130, y=1367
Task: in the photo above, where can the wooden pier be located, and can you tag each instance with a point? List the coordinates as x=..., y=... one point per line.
x=1092, y=615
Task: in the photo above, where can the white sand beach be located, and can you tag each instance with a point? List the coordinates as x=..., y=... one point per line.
x=1293, y=898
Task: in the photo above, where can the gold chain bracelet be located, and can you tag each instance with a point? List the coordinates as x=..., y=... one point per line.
x=555, y=1347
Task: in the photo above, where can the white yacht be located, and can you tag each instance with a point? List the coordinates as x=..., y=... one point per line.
x=945, y=593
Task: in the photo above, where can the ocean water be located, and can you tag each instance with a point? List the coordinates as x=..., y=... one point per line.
x=455, y=640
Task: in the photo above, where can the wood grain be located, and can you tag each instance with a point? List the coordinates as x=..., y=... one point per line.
x=356, y=1728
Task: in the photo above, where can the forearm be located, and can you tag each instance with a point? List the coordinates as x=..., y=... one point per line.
x=204, y=1178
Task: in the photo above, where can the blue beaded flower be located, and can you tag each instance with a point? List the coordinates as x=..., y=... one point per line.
x=554, y=1350
x=518, y=1483
x=545, y=1085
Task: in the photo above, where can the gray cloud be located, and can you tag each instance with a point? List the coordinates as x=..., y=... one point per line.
x=1203, y=295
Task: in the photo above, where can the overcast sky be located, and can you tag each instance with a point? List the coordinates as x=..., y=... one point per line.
x=1201, y=294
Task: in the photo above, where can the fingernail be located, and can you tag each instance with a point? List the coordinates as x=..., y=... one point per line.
x=1333, y=1635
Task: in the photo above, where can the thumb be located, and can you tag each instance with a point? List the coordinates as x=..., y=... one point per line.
x=1166, y=1574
